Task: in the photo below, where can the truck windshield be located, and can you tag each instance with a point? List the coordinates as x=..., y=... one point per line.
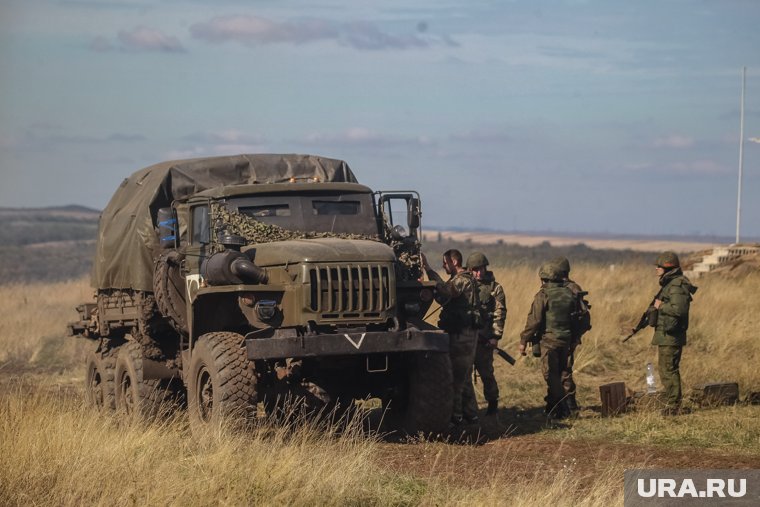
x=350, y=213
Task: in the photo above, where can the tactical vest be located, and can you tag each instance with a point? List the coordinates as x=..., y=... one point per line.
x=464, y=311
x=487, y=302
x=561, y=305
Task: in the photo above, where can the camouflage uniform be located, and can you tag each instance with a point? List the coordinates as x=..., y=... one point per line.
x=494, y=305
x=671, y=326
x=458, y=298
x=550, y=323
x=568, y=382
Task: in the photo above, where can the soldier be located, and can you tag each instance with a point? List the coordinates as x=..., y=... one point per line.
x=549, y=325
x=458, y=297
x=493, y=304
x=582, y=323
x=672, y=320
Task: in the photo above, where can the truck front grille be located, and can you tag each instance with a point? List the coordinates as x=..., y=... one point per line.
x=347, y=291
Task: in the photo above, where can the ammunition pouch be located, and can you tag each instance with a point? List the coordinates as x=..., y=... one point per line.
x=652, y=316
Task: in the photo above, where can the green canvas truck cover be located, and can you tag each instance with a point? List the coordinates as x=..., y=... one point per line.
x=127, y=239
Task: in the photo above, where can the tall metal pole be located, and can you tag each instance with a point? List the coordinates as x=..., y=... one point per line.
x=741, y=158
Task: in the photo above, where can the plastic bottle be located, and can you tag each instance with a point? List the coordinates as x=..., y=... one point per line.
x=651, y=385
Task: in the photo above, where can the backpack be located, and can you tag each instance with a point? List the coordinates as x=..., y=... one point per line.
x=475, y=308
x=581, y=316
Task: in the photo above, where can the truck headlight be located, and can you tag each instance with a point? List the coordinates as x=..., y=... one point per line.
x=266, y=309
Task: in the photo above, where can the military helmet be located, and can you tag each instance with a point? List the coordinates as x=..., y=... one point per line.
x=549, y=271
x=477, y=260
x=563, y=265
x=668, y=260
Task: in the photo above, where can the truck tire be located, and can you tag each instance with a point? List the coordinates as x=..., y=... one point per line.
x=168, y=288
x=426, y=409
x=99, y=382
x=136, y=395
x=221, y=382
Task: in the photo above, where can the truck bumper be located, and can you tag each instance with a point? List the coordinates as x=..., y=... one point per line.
x=346, y=344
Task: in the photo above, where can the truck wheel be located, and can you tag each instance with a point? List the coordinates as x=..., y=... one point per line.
x=427, y=405
x=135, y=394
x=169, y=289
x=221, y=382
x=99, y=382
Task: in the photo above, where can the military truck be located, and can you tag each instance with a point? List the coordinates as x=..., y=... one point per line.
x=243, y=283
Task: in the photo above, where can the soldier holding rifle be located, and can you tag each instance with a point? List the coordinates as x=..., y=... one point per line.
x=669, y=315
x=493, y=305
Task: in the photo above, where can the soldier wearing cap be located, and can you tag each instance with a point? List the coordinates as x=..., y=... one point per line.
x=549, y=324
x=582, y=323
x=493, y=304
x=672, y=320
x=458, y=297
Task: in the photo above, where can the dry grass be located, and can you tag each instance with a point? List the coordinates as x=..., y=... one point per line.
x=721, y=338
x=56, y=451
x=34, y=320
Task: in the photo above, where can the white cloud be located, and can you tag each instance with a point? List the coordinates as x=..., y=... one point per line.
x=699, y=167
x=675, y=141
x=225, y=136
x=360, y=136
x=223, y=142
x=255, y=30
x=149, y=39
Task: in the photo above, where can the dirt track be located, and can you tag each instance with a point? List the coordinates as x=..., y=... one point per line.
x=528, y=456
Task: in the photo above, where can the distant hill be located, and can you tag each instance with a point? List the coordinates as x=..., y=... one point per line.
x=46, y=244
x=58, y=243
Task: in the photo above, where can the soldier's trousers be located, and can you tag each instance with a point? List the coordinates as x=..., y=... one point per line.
x=669, y=359
x=462, y=353
x=484, y=367
x=554, y=365
x=568, y=383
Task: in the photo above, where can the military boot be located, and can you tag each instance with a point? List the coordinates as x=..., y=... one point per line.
x=493, y=407
x=572, y=404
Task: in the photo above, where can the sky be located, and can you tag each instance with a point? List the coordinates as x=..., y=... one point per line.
x=568, y=116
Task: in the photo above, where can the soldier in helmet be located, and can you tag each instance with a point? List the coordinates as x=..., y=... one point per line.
x=672, y=320
x=493, y=304
x=549, y=324
x=581, y=324
x=460, y=318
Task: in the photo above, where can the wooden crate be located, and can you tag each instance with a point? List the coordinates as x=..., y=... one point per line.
x=613, y=397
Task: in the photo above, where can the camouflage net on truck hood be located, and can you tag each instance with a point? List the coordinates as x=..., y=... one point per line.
x=255, y=231
x=127, y=240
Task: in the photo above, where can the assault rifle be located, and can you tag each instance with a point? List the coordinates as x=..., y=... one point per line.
x=505, y=356
x=649, y=318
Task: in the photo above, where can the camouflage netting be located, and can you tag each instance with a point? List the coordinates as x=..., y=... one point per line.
x=410, y=263
x=255, y=231
x=127, y=240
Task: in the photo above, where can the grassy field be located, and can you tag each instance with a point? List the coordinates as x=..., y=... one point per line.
x=56, y=451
